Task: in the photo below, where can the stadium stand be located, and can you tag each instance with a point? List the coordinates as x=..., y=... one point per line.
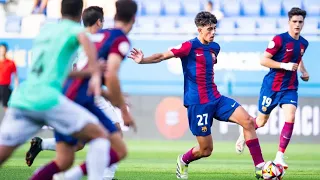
x=241, y=17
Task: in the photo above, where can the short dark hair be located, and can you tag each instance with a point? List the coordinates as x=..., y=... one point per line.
x=205, y=18
x=295, y=11
x=125, y=10
x=91, y=15
x=71, y=8
x=210, y=3
x=5, y=45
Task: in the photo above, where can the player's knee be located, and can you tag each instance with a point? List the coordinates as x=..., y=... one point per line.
x=248, y=123
x=64, y=163
x=123, y=153
x=206, y=152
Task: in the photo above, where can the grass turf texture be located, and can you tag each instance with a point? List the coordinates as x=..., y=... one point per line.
x=156, y=160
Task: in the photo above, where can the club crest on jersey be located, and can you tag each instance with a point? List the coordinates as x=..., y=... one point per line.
x=302, y=52
x=271, y=44
x=264, y=109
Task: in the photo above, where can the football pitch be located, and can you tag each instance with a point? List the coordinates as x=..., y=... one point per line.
x=156, y=160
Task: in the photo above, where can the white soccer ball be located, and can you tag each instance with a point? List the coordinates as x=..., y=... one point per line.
x=272, y=171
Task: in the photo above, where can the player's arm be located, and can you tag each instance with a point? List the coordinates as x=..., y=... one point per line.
x=93, y=64
x=138, y=57
x=273, y=48
x=15, y=74
x=112, y=82
x=180, y=51
x=91, y=52
x=304, y=73
x=43, y=5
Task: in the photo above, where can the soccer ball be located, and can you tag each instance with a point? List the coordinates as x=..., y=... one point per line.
x=272, y=171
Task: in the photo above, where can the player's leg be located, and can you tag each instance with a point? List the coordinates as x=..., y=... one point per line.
x=70, y=118
x=63, y=160
x=38, y=144
x=200, y=122
x=229, y=109
x=16, y=128
x=268, y=100
x=5, y=96
x=289, y=103
x=111, y=112
x=117, y=152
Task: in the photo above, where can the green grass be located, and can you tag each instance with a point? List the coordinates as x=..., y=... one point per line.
x=156, y=160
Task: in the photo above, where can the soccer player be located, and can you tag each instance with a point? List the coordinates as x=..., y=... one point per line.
x=113, y=46
x=93, y=21
x=201, y=96
x=7, y=69
x=38, y=100
x=284, y=57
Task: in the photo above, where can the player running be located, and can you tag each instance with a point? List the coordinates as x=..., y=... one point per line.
x=38, y=100
x=93, y=21
x=201, y=96
x=283, y=56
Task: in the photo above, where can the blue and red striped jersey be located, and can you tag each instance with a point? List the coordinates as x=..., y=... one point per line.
x=197, y=62
x=284, y=49
x=107, y=41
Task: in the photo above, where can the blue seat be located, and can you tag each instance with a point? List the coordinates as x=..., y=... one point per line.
x=251, y=7
x=151, y=7
x=191, y=7
x=167, y=25
x=288, y=4
x=227, y=26
x=311, y=26
x=146, y=25
x=13, y=24
x=3, y=1
x=271, y=7
x=246, y=26
x=267, y=26
x=312, y=7
x=231, y=7
x=172, y=7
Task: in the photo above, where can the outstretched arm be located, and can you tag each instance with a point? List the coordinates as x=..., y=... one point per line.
x=138, y=57
x=180, y=51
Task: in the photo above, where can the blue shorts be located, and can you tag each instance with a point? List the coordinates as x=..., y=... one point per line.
x=269, y=99
x=104, y=120
x=201, y=115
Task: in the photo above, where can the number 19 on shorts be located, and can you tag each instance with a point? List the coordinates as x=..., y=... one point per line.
x=266, y=101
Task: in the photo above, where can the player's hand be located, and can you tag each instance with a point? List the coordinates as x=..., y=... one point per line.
x=305, y=76
x=95, y=85
x=127, y=118
x=289, y=66
x=136, y=55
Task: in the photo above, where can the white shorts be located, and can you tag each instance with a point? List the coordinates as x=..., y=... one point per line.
x=67, y=118
x=108, y=109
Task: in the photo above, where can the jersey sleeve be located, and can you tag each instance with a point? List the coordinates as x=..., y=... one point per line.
x=274, y=45
x=120, y=46
x=13, y=67
x=182, y=50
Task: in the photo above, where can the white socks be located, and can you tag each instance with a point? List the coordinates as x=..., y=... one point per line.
x=98, y=158
x=110, y=171
x=279, y=155
x=74, y=173
x=48, y=144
